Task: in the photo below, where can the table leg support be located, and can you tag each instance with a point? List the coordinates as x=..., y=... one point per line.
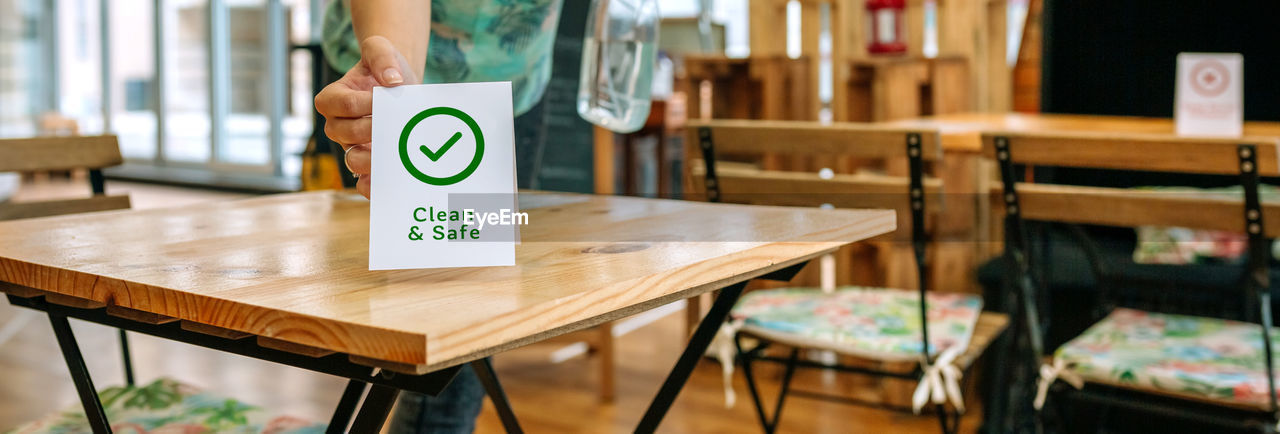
x=79, y=374
x=126, y=358
x=377, y=406
x=346, y=406
x=489, y=378
x=698, y=344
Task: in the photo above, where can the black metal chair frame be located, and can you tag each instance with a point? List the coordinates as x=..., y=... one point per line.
x=949, y=421
x=1256, y=307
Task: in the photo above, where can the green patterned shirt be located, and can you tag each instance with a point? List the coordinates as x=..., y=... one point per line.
x=471, y=41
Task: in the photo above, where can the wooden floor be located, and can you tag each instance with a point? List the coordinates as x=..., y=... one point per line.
x=548, y=397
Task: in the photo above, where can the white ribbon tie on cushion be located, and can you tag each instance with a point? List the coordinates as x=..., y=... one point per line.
x=940, y=382
x=1059, y=370
x=725, y=350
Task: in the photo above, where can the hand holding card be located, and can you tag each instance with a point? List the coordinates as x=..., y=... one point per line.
x=348, y=102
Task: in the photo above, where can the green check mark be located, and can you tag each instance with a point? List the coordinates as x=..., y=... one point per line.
x=476, y=135
x=435, y=156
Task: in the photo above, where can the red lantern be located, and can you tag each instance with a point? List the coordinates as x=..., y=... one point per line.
x=884, y=25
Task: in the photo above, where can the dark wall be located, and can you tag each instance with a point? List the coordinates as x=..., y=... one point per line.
x=567, y=163
x=1119, y=56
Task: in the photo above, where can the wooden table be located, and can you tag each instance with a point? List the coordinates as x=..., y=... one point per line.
x=284, y=278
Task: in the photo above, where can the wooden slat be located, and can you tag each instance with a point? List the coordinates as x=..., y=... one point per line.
x=57, y=153
x=1132, y=207
x=397, y=367
x=962, y=132
x=1149, y=152
x=296, y=348
x=990, y=326
x=736, y=137
x=24, y=210
x=863, y=190
x=138, y=315
x=20, y=291
x=71, y=301
x=224, y=333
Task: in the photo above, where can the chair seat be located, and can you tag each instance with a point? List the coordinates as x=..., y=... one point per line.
x=872, y=323
x=1198, y=358
x=166, y=405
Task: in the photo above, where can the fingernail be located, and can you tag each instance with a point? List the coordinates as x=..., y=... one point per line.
x=391, y=76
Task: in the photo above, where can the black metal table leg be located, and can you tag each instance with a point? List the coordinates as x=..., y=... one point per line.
x=748, y=357
x=346, y=407
x=126, y=358
x=377, y=406
x=489, y=378
x=79, y=374
x=786, y=386
x=698, y=344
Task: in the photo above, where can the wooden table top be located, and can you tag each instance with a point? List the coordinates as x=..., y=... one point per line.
x=962, y=131
x=292, y=268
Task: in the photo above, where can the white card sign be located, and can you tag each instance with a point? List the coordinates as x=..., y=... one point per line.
x=444, y=191
x=1210, y=94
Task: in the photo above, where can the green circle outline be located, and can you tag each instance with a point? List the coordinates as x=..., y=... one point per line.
x=442, y=110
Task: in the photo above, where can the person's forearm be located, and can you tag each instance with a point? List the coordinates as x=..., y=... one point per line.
x=406, y=23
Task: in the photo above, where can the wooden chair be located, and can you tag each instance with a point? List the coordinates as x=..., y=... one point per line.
x=817, y=319
x=1148, y=350
x=66, y=153
x=62, y=153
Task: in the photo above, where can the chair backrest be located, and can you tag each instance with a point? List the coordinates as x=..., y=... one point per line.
x=60, y=153
x=747, y=179
x=1248, y=158
x=751, y=181
x=1133, y=207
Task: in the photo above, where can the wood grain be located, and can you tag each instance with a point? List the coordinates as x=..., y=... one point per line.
x=294, y=268
x=58, y=153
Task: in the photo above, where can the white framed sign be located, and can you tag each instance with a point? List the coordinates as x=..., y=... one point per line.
x=443, y=188
x=1209, y=94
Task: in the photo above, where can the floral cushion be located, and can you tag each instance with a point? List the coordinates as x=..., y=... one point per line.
x=876, y=323
x=166, y=406
x=1193, y=357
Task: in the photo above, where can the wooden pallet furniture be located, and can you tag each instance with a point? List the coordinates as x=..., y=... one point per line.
x=882, y=89
x=758, y=87
x=973, y=32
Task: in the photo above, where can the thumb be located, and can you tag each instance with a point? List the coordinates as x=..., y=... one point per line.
x=384, y=61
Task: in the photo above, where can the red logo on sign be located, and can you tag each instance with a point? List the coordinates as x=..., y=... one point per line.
x=1209, y=78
